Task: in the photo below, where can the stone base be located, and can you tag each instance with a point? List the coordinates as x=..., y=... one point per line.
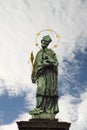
x=43, y=124
x=44, y=116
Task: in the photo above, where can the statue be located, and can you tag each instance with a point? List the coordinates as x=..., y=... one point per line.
x=45, y=75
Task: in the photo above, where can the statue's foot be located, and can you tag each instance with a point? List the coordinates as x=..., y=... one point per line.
x=36, y=111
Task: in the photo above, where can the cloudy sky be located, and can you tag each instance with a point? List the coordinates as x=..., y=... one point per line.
x=20, y=20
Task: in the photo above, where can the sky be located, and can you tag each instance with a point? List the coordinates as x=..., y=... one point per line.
x=20, y=21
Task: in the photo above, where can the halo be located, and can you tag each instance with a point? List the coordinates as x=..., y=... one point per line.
x=50, y=31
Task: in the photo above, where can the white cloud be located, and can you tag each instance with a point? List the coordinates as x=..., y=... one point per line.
x=67, y=108
x=2, y=86
x=15, y=46
x=82, y=111
x=74, y=110
x=12, y=126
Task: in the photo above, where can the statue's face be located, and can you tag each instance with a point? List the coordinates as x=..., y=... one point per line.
x=44, y=44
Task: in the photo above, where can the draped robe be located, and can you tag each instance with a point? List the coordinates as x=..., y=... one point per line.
x=45, y=74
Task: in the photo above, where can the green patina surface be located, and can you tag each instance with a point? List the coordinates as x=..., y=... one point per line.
x=43, y=116
x=45, y=74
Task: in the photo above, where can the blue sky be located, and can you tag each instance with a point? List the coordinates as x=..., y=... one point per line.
x=20, y=20
x=79, y=77
x=11, y=107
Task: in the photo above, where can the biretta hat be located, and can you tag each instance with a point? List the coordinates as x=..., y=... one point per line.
x=47, y=38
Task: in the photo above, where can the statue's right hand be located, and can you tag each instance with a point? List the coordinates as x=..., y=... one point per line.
x=33, y=81
x=33, y=78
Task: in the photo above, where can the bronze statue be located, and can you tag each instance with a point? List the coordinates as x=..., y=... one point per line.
x=45, y=75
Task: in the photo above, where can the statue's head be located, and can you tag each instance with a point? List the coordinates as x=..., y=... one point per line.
x=45, y=41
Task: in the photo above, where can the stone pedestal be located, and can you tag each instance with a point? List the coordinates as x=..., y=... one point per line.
x=43, y=124
x=44, y=116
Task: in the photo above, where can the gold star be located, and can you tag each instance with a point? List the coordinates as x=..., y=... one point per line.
x=55, y=45
x=38, y=33
x=36, y=44
x=48, y=29
x=57, y=35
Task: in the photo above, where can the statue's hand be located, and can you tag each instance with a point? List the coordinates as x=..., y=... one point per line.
x=33, y=78
x=50, y=60
x=46, y=59
x=45, y=56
